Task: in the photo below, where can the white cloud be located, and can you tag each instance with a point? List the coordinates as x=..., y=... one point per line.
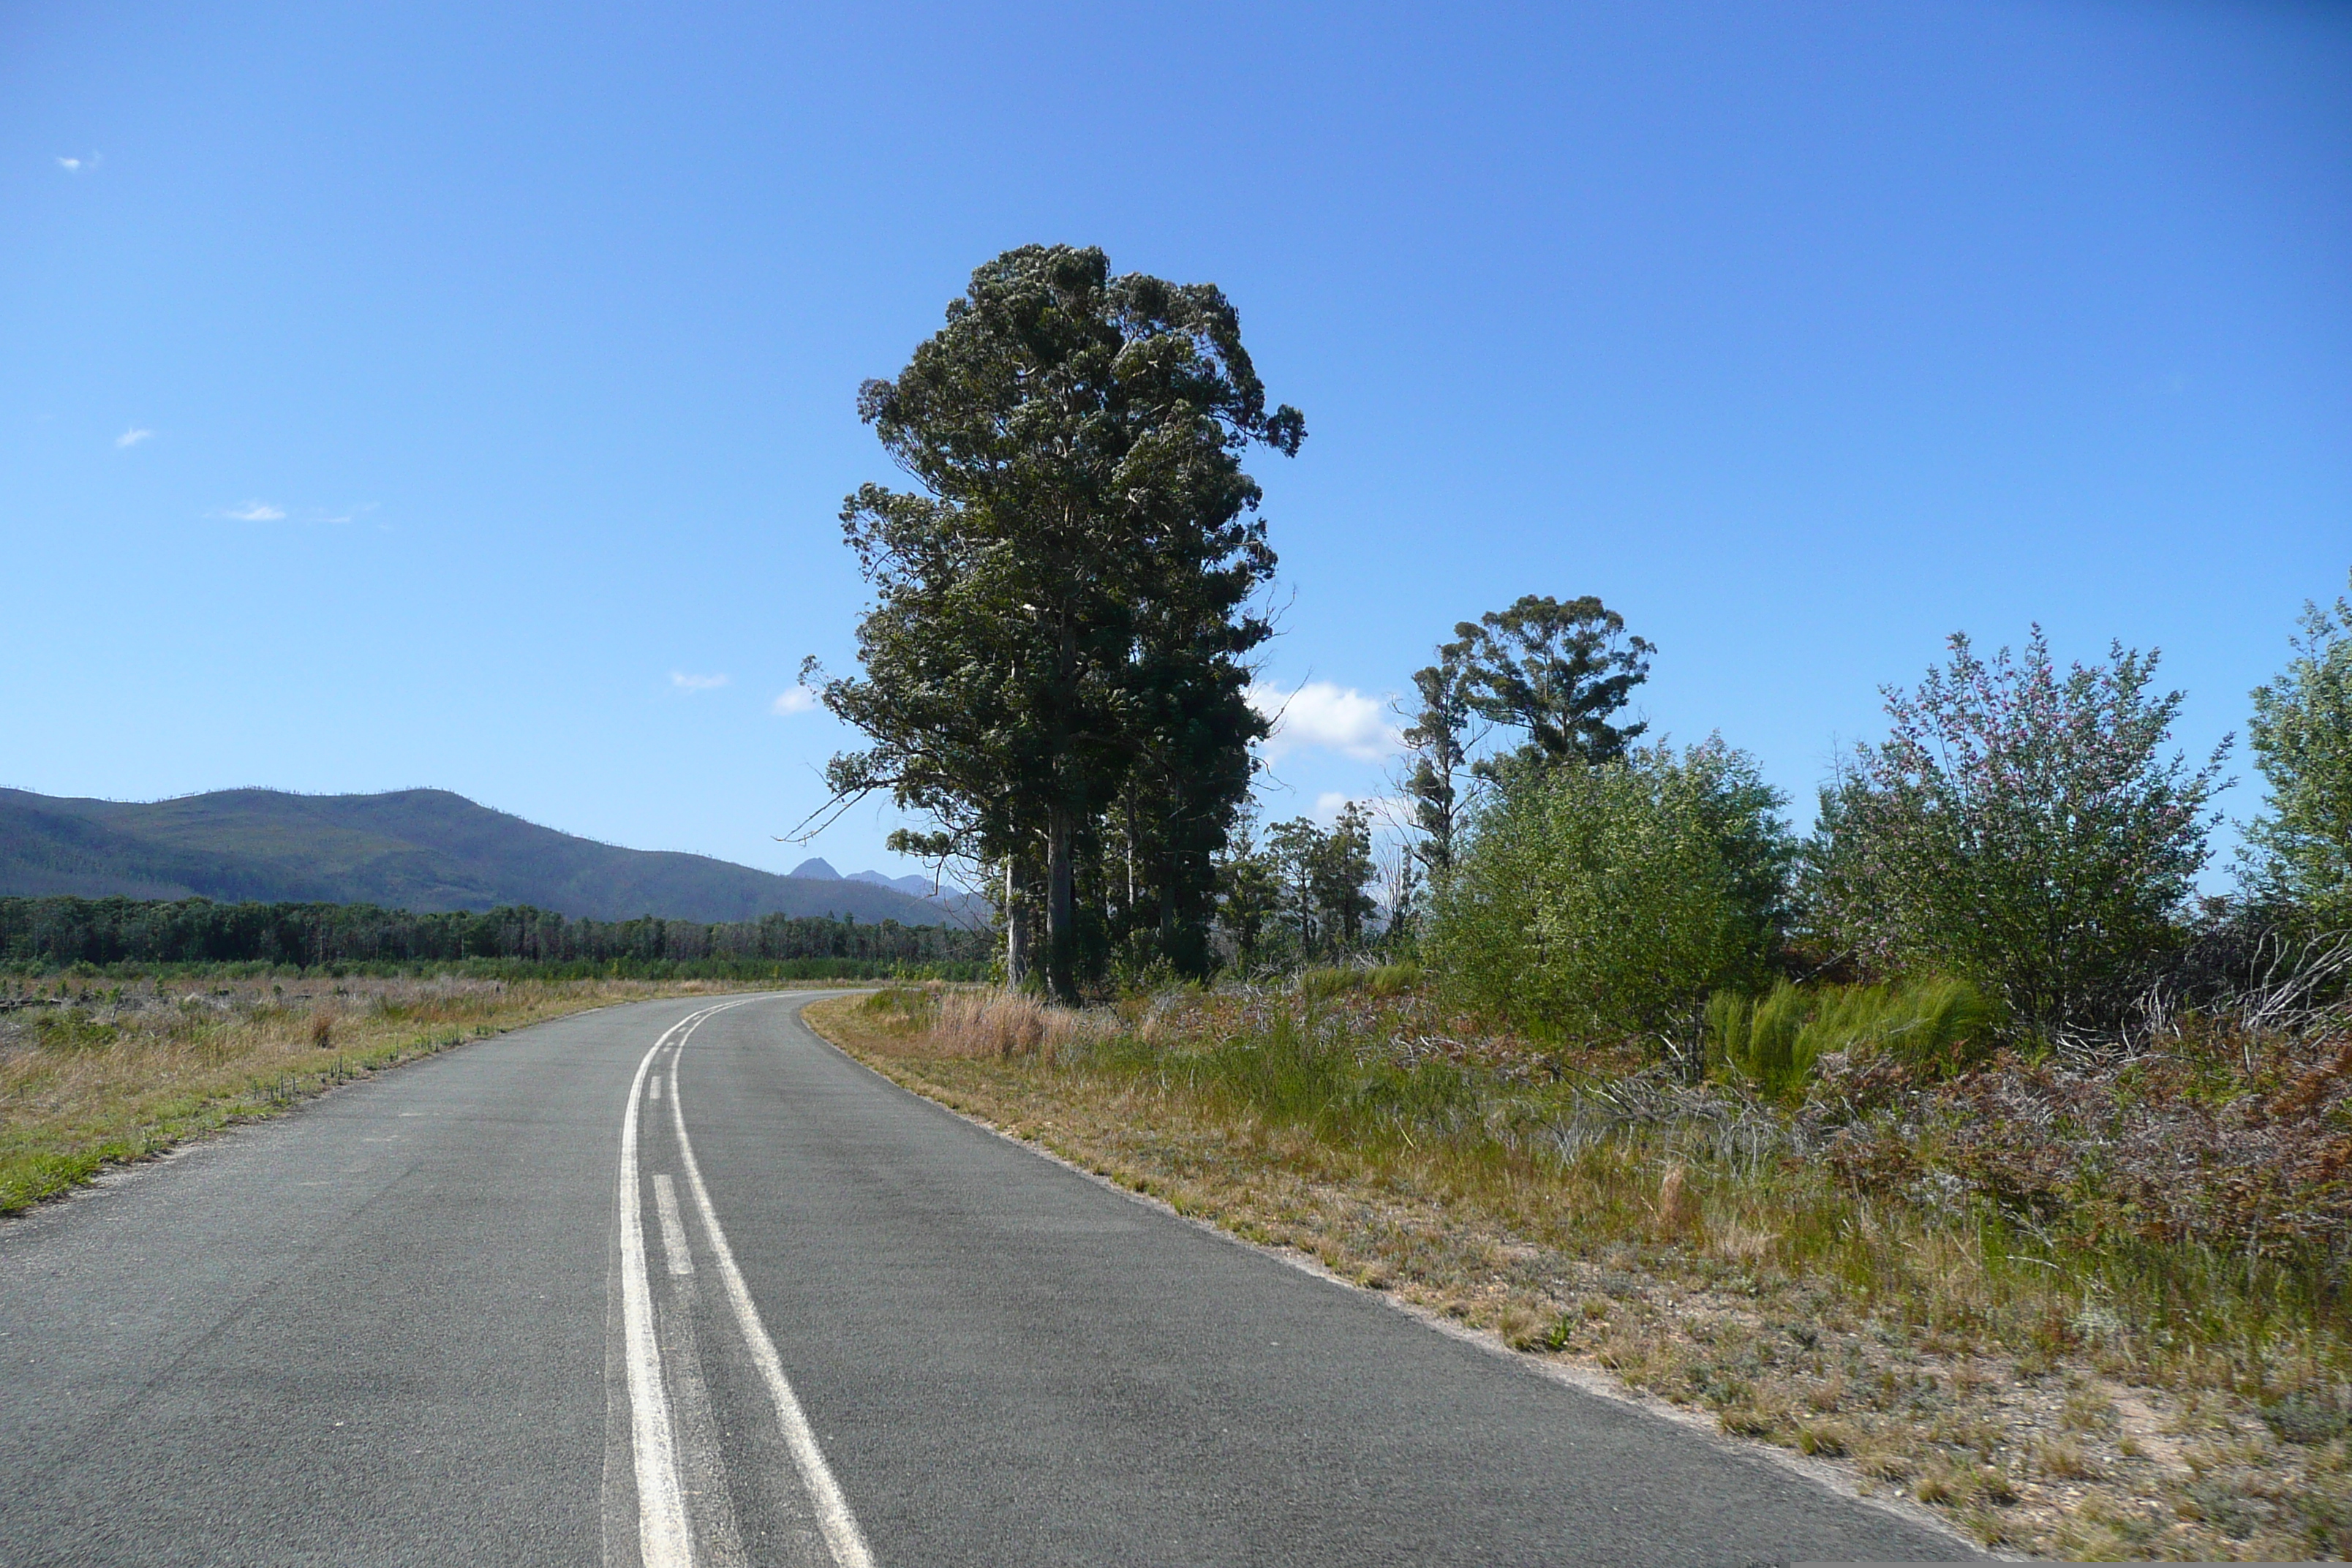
x=685, y=682
x=1323, y=715
x=71, y=165
x=269, y=511
x=132, y=436
x=799, y=700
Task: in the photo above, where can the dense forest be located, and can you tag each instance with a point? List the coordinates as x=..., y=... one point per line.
x=41, y=934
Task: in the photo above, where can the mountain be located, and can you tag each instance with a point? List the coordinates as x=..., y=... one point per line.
x=918, y=886
x=965, y=908
x=415, y=849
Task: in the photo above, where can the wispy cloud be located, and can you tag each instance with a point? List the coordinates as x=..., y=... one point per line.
x=799, y=700
x=75, y=165
x=685, y=682
x=1328, y=717
x=132, y=436
x=270, y=511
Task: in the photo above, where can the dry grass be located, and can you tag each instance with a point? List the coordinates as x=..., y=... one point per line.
x=2142, y=1402
x=1002, y=1024
x=90, y=1077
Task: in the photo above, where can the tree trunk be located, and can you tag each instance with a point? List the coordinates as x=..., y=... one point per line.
x=1062, y=905
x=1130, y=854
x=1016, y=924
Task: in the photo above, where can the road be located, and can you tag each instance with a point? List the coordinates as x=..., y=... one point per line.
x=676, y=1283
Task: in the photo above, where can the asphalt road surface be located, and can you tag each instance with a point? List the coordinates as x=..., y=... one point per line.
x=676, y=1283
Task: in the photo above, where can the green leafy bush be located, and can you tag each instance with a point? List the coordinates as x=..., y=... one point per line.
x=1612, y=898
x=2299, y=851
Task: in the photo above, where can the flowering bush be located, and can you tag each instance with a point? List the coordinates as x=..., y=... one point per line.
x=2020, y=829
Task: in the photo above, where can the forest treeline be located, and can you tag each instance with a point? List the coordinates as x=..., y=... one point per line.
x=47, y=933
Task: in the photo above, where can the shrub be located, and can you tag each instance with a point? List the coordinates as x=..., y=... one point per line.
x=2299, y=852
x=1612, y=898
x=2226, y=1141
x=2020, y=829
x=1319, y=984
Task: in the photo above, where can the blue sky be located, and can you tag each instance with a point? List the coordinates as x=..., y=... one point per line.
x=464, y=395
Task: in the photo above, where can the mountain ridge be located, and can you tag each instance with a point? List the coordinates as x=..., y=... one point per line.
x=421, y=849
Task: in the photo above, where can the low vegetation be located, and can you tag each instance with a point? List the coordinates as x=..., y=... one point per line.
x=2089, y=1306
x=98, y=1070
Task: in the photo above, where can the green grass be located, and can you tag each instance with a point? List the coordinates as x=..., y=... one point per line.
x=1378, y=980
x=1773, y=1042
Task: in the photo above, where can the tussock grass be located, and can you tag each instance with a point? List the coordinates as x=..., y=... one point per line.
x=1774, y=1042
x=2057, y=1383
x=93, y=1077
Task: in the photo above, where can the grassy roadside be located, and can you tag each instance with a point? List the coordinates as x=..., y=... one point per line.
x=2148, y=1406
x=104, y=1073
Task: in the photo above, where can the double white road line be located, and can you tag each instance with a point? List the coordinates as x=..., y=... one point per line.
x=665, y=1530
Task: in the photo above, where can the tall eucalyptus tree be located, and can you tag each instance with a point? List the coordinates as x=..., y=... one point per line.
x=1061, y=608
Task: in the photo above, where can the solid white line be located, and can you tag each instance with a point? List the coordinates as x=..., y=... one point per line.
x=846, y=1541
x=665, y=1540
x=681, y=1261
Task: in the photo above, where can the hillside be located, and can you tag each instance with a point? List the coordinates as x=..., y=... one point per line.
x=416, y=849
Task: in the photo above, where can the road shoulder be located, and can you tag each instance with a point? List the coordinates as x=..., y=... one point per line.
x=1263, y=1210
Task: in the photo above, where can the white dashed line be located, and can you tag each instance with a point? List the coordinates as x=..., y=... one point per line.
x=681, y=1261
x=664, y=1537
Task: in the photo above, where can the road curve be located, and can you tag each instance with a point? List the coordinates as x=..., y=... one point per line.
x=677, y=1284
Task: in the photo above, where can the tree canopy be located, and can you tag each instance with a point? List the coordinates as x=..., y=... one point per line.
x=1054, y=667
x=1557, y=671
x=1554, y=671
